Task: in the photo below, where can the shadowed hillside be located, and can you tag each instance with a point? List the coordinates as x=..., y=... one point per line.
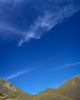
x=69, y=90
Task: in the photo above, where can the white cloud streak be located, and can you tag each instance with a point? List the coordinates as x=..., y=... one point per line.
x=67, y=65
x=51, y=13
x=6, y=27
x=48, y=20
x=18, y=74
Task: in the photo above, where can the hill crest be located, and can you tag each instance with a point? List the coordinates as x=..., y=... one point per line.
x=69, y=90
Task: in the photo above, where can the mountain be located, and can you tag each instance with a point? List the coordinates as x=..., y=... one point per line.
x=69, y=90
x=8, y=91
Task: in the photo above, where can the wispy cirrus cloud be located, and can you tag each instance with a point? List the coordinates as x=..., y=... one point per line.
x=67, y=65
x=18, y=74
x=49, y=19
x=16, y=18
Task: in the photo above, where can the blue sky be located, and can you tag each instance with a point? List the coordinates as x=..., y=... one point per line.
x=39, y=42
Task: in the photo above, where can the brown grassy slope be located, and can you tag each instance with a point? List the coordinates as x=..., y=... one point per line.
x=24, y=96
x=70, y=88
x=73, y=93
x=50, y=96
x=10, y=91
x=71, y=83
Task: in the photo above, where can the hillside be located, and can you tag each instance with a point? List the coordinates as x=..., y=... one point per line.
x=69, y=90
x=8, y=91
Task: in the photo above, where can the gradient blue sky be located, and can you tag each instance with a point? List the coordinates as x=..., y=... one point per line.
x=39, y=42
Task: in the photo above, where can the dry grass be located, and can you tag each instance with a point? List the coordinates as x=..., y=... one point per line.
x=69, y=90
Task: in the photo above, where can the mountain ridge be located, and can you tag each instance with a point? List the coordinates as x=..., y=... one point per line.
x=69, y=90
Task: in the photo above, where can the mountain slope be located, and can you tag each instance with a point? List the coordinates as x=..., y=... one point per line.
x=10, y=91
x=50, y=96
x=69, y=90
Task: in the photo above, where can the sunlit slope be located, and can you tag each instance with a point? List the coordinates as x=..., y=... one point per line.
x=70, y=88
x=73, y=82
x=50, y=96
x=10, y=91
